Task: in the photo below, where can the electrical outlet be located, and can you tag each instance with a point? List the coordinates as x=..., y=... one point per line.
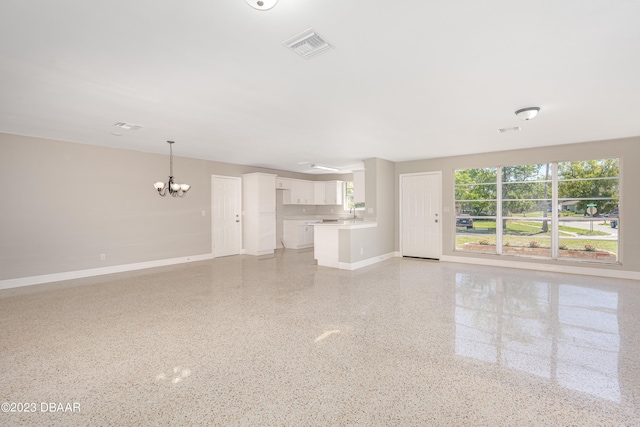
x=103, y=257
x=204, y=213
x=361, y=251
x=303, y=210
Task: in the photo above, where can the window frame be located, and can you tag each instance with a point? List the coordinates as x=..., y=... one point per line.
x=348, y=198
x=556, y=236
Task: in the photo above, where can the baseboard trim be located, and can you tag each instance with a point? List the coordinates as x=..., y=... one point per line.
x=587, y=271
x=78, y=274
x=365, y=262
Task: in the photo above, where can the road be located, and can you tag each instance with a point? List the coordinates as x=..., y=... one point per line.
x=597, y=226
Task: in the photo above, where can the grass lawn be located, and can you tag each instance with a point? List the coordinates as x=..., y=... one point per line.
x=531, y=228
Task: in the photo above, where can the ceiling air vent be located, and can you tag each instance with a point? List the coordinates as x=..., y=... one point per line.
x=513, y=129
x=308, y=44
x=127, y=126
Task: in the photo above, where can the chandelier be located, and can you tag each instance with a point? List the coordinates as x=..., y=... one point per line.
x=172, y=187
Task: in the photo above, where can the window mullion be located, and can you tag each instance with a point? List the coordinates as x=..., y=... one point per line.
x=555, y=223
x=499, y=211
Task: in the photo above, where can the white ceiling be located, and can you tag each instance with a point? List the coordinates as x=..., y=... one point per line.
x=406, y=80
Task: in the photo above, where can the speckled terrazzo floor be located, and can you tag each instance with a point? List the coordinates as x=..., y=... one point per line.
x=280, y=341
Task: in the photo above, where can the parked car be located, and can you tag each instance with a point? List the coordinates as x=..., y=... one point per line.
x=464, y=220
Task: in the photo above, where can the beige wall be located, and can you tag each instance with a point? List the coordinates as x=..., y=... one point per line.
x=380, y=204
x=628, y=150
x=66, y=204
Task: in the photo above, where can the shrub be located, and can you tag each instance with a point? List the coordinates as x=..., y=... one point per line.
x=534, y=244
x=483, y=242
x=589, y=248
x=563, y=246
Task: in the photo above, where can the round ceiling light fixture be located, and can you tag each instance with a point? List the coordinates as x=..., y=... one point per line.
x=527, y=113
x=262, y=4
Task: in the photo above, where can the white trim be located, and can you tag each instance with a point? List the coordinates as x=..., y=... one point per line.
x=499, y=230
x=78, y=274
x=439, y=214
x=587, y=271
x=363, y=263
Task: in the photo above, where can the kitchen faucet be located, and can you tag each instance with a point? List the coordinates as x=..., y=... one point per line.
x=354, y=212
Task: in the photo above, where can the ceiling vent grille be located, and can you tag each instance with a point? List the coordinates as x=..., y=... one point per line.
x=127, y=126
x=308, y=44
x=513, y=129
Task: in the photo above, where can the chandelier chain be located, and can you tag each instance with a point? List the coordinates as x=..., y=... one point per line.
x=171, y=159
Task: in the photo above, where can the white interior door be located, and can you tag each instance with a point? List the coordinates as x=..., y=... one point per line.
x=421, y=217
x=226, y=216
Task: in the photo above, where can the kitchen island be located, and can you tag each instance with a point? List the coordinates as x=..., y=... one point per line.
x=344, y=244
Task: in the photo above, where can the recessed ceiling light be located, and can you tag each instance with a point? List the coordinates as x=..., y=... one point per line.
x=116, y=134
x=262, y=4
x=527, y=113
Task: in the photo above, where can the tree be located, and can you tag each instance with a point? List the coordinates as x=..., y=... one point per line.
x=521, y=184
x=476, y=191
x=591, y=181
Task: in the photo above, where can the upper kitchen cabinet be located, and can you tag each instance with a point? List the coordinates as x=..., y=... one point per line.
x=301, y=192
x=327, y=192
x=333, y=192
x=283, y=183
x=319, y=193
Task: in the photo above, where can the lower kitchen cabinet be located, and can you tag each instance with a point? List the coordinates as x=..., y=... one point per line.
x=297, y=234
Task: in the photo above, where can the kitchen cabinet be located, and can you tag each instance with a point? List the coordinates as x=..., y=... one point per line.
x=333, y=193
x=319, y=193
x=327, y=192
x=301, y=193
x=298, y=234
x=259, y=211
x=283, y=183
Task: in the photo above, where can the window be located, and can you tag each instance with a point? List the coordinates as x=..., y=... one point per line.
x=476, y=208
x=566, y=210
x=349, y=202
